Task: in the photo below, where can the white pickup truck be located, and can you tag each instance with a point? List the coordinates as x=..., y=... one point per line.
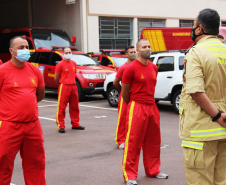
x=169, y=81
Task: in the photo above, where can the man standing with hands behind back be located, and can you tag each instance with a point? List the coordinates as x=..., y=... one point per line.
x=21, y=87
x=121, y=129
x=203, y=104
x=138, y=89
x=67, y=92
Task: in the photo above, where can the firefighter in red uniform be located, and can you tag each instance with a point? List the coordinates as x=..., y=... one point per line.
x=122, y=106
x=67, y=92
x=21, y=87
x=138, y=89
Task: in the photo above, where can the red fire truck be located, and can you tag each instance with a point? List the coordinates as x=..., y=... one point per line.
x=46, y=47
x=162, y=39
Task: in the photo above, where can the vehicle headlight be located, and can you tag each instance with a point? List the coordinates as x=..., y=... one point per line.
x=94, y=76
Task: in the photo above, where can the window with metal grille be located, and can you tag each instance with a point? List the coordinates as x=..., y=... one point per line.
x=151, y=23
x=223, y=23
x=115, y=33
x=186, y=23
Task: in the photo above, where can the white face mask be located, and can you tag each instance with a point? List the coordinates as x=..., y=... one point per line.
x=68, y=56
x=23, y=55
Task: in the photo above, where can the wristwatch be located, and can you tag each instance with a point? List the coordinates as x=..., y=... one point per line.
x=217, y=116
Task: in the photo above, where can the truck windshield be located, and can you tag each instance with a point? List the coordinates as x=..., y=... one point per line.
x=50, y=37
x=119, y=60
x=83, y=60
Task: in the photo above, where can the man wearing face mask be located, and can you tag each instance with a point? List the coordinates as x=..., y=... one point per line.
x=203, y=104
x=21, y=87
x=143, y=120
x=122, y=106
x=67, y=92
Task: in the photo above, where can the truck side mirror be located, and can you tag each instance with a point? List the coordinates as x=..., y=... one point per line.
x=73, y=39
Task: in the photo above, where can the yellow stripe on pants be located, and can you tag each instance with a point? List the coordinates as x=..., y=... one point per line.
x=58, y=105
x=127, y=140
x=119, y=116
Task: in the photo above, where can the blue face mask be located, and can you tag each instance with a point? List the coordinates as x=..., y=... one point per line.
x=23, y=55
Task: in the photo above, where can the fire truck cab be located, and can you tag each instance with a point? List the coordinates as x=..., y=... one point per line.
x=46, y=46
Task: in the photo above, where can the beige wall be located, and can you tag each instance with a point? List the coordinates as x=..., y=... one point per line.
x=93, y=34
x=182, y=9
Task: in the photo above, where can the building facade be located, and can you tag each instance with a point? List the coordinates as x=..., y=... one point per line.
x=104, y=24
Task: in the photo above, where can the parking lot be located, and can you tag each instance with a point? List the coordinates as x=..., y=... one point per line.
x=91, y=156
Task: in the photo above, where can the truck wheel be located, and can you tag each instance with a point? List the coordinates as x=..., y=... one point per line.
x=81, y=95
x=113, y=96
x=176, y=100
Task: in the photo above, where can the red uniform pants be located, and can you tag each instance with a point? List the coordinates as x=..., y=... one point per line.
x=121, y=129
x=67, y=94
x=28, y=138
x=143, y=132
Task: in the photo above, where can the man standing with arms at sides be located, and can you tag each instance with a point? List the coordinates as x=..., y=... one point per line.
x=138, y=89
x=122, y=106
x=21, y=87
x=203, y=104
x=67, y=92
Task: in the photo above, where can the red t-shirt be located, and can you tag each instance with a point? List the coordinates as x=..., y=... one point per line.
x=121, y=70
x=142, y=79
x=67, y=71
x=18, y=101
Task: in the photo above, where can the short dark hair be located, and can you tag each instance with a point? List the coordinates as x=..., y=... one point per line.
x=210, y=20
x=12, y=39
x=220, y=36
x=127, y=48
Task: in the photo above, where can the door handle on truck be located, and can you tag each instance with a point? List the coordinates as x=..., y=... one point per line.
x=169, y=77
x=49, y=69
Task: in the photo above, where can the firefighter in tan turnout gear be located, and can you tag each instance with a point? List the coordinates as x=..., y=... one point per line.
x=203, y=104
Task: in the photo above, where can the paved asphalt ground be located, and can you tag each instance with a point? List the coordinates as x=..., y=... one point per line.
x=90, y=157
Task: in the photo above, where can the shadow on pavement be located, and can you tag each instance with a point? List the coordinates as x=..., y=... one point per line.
x=54, y=96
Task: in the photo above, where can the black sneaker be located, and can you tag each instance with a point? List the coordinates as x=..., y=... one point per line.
x=79, y=128
x=61, y=130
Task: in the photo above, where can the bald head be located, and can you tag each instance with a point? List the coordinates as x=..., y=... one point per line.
x=67, y=50
x=141, y=41
x=15, y=39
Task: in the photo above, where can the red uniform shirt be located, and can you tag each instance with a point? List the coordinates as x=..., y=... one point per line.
x=121, y=70
x=67, y=72
x=142, y=79
x=18, y=101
